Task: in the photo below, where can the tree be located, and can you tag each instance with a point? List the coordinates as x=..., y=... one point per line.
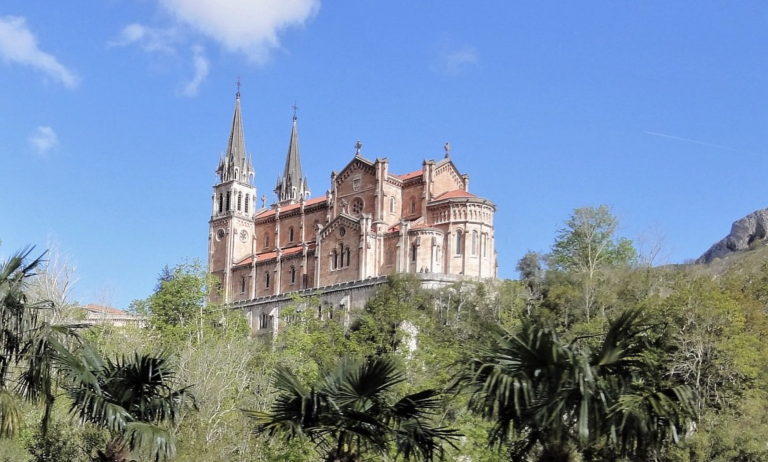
x=131, y=397
x=551, y=396
x=27, y=344
x=350, y=412
x=587, y=243
x=180, y=306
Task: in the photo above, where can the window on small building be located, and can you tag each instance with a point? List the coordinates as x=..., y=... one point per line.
x=459, y=242
x=474, y=242
x=264, y=321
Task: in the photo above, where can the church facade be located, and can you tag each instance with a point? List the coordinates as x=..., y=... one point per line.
x=371, y=222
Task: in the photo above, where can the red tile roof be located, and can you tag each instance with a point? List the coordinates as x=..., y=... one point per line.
x=103, y=309
x=273, y=254
x=452, y=194
x=267, y=213
x=408, y=176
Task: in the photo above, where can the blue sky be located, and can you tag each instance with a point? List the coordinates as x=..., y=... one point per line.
x=113, y=115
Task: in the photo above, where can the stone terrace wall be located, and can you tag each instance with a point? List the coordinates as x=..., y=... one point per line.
x=336, y=301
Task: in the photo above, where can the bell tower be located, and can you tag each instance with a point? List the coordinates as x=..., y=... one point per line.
x=230, y=235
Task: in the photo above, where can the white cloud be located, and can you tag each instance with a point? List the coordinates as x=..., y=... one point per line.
x=246, y=26
x=457, y=61
x=150, y=39
x=201, y=71
x=19, y=45
x=44, y=139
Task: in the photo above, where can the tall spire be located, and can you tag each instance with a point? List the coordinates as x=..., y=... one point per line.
x=234, y=163
x=292, y=186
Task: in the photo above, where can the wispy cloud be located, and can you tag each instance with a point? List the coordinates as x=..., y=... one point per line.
x=19, y=45
x=243, y=25
x=150, y=39
x=201, y=71
x=702, y=143
x=456, y=61
x=43, y=140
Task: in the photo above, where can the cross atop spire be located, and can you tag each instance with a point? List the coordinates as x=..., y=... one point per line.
x=292, y=186
x=234, y=163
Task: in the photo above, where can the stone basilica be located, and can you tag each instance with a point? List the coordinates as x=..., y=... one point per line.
x=370, y=223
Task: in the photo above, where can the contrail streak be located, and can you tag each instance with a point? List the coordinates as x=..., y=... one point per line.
x=698, y=142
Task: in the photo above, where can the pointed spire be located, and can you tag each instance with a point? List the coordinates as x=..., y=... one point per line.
x=293, y=185
x=235, y=165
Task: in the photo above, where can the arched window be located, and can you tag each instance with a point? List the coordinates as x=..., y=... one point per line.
x=293, y=275
x=413, y=205
x=290, y=234
x=357, y=206
x=221, y=202
x=229, y=197
x=484, y=244
x=474, y=242
x=247, y=197
x=239, y=201
x=266, y=280
x=413, y=253
x=349, y=253
x=242, y=285
x=266, y=240
x=392, y=204
x=335, y=260
x=459, y=242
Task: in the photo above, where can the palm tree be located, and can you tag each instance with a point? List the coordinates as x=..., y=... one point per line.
x=548, y=397
x=131, y=397
x=26, y=369
x=350, y=412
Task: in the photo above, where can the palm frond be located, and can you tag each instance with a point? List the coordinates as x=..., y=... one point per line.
x=146, y=438
x=11, y=417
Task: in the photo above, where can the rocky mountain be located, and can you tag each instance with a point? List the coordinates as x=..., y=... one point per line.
x=743, y=233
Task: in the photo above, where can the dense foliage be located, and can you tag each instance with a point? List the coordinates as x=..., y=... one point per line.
x=593, y=355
